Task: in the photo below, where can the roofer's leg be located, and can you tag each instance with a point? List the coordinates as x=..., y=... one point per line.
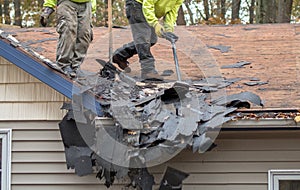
x=123, y=53
x=144, y=37
x=67, y=29
x=84, y=32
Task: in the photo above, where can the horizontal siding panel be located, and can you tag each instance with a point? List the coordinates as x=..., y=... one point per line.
x=41, y=146
x=228, y=178
x=53, y=179
x=225, y=187
x=238, y=156
x=99, y=186
x=29, y=125
x=41, y=168
x=31, y=111
x=258, y=144
x=11, y=74
x=118, y=187
x=29, y=92
x=38, y=157
x=223, y=167
x=261, y=134
x=53, y=135
x=228, y=156
x=195, y=168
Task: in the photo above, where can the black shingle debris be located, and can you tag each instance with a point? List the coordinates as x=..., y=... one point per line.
x=79, y=158
x=167, y=72
x=239, y=64
x=153, y=122
x=222, y=48
x=172, y=179
x=239, y=100
x=255, y=83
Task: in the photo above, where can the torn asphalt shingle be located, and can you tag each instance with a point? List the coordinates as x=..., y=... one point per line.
x=172, y=179
x=222, y=48
x=239, y=64
x=254, y=83
x=243, y=97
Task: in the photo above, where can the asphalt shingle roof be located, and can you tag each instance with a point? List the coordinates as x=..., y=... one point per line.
x=271, y=52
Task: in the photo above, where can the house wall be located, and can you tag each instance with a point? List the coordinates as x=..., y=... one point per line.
x=241, y=160
x=25, y=98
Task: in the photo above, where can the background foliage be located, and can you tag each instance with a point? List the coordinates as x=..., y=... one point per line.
x=26, y=13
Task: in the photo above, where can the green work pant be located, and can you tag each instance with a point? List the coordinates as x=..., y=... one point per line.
x=75, y=31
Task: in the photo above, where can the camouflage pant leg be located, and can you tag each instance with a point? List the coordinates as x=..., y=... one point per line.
x=74, y=28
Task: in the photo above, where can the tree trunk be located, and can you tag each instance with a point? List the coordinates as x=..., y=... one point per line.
x=266, y=11
x=6, y=12
x=206, y=9
x=18, y=18
x=235, y=13
x=284, y=11
x=274, y=11
x=251, y=11
x=180, y=18
x=223, y=8
x=1, y=12
x=219, y=8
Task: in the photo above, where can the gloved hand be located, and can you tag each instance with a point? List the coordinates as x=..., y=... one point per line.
x=45, y=15
x=170, y=36
x=159, y=29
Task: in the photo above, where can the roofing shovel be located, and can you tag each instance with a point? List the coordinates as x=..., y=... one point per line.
x=171, y=37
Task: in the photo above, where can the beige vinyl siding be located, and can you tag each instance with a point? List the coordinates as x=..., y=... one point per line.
x=240, y=161
x=23, y=97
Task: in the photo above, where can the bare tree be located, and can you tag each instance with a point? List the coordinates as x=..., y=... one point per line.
x=206, y=9
x=235, y=11
x=6, y=12
x=1, y=12
x=223, y=8
x=273, y=11
x=284, y=11
x=180, y=18
x=18, y=17
x=251, y=11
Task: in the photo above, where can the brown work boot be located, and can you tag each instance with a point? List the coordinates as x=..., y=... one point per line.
x=151, y=76
x=123, y=64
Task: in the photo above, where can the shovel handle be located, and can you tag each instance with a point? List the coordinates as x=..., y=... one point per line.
x=176, y=61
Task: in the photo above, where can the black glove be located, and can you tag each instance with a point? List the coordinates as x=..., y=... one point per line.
x=170, y=36
x=45, y=15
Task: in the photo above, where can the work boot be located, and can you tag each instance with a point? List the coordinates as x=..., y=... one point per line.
x=123, y=64
x=69, y=72
x=151, y=76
